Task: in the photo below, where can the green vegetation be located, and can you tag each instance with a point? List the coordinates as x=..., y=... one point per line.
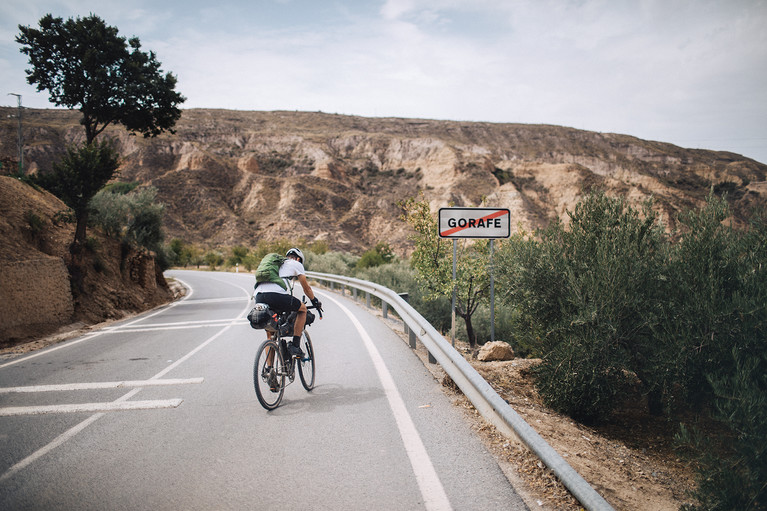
x=376, y=256
x=432, y=259
x=84, y=64
x=612, y=301
x=78, y=177
x=131, y=215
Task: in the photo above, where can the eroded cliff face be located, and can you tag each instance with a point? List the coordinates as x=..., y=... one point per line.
x=35, y=290
x=231, y=177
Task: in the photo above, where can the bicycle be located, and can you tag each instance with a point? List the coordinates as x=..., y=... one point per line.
x=274, y=366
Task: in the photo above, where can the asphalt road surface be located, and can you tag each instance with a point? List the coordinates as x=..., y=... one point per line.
x=159, y=413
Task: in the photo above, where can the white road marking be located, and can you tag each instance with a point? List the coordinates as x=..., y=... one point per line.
x=90, y=407
x=70, y=433
x=210, y=322
x=178, y=326
x=211, y=300
x=100, y=332
x=431, y=487
x=61, y=439
x=99, y=385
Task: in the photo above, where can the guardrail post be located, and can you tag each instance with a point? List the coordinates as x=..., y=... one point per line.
x=385, y=310
x=354, y=293
x=408, y=331
x=367, y=299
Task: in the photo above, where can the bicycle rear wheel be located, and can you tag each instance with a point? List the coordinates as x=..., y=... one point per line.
x=306, y=364
x=269, y=375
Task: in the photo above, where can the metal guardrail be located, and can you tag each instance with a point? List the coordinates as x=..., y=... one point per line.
x=484, y=398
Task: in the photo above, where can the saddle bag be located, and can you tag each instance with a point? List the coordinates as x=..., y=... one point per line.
x=261, y=317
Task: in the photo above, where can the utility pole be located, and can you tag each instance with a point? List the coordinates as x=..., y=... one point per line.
x=21, y=136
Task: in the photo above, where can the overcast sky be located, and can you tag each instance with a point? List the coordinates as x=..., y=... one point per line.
x=693, y=73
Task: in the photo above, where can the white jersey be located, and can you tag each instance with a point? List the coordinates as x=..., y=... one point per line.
x=289, y=270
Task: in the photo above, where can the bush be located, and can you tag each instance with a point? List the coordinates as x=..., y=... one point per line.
x=130, y=214
x=591, y=295
x=717, y=298
x=612, y=297
x=380, y=254
x=331, y=262
x=733, y=473
x=719, y=327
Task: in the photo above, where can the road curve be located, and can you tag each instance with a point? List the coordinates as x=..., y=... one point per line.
x=159, y=412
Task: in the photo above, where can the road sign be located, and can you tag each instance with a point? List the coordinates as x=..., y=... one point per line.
x=488, y=223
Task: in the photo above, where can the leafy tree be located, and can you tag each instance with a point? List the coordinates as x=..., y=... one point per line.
x=213, y=259
x=181, y=254
x=376, y=256
x=239, y=255
x=84, y=63
x=433, y=259
x=76, y=179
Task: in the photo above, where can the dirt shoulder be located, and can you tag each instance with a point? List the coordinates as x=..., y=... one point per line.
x=629, y=461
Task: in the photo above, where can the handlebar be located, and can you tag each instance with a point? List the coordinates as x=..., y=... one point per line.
x=319, y=311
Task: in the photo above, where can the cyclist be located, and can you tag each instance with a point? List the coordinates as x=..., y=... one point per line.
x=282, y=300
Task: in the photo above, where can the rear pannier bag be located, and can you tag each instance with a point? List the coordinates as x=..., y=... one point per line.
x=261, y=317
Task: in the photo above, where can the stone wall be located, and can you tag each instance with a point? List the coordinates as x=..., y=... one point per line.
x=35, y=297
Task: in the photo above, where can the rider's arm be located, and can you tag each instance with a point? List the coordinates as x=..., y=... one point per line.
x=305, y=285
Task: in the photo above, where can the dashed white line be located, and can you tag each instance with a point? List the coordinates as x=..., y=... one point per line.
x=100, y=385
x=90, y=407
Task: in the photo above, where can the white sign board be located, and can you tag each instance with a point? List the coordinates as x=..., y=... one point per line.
x=486, y=223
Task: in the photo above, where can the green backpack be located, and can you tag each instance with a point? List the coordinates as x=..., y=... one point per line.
x=269, y=270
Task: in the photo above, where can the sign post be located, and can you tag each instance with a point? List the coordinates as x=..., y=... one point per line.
x=482, y=223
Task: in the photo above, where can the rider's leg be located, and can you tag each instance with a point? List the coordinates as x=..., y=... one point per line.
x=298, y=328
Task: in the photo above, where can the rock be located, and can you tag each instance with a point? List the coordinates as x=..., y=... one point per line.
x=497, y=350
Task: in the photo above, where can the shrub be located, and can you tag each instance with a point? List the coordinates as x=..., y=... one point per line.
x=331, y=262
x=35, y=222
x=733, y=474
x=130, y=214
x=213, y=259
x=590, y=294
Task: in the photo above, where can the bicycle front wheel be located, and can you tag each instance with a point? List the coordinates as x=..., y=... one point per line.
x=306, y=364
x=269, y=375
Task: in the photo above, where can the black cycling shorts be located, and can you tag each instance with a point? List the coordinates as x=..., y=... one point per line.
x=279, y=302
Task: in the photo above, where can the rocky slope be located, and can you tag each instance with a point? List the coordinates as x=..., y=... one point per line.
x=35, y=290
x=235, y=177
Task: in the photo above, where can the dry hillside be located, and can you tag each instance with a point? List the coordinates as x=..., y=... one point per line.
x=234, y=177
x=34, y=282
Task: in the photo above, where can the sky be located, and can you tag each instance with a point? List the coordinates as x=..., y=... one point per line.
x=692, y=73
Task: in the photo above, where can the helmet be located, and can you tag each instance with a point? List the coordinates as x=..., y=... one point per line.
x=296, y=252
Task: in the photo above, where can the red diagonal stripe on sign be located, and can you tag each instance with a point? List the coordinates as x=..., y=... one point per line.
x=488, y=217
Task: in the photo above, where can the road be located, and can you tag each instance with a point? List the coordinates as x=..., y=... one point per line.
x=185, y=431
